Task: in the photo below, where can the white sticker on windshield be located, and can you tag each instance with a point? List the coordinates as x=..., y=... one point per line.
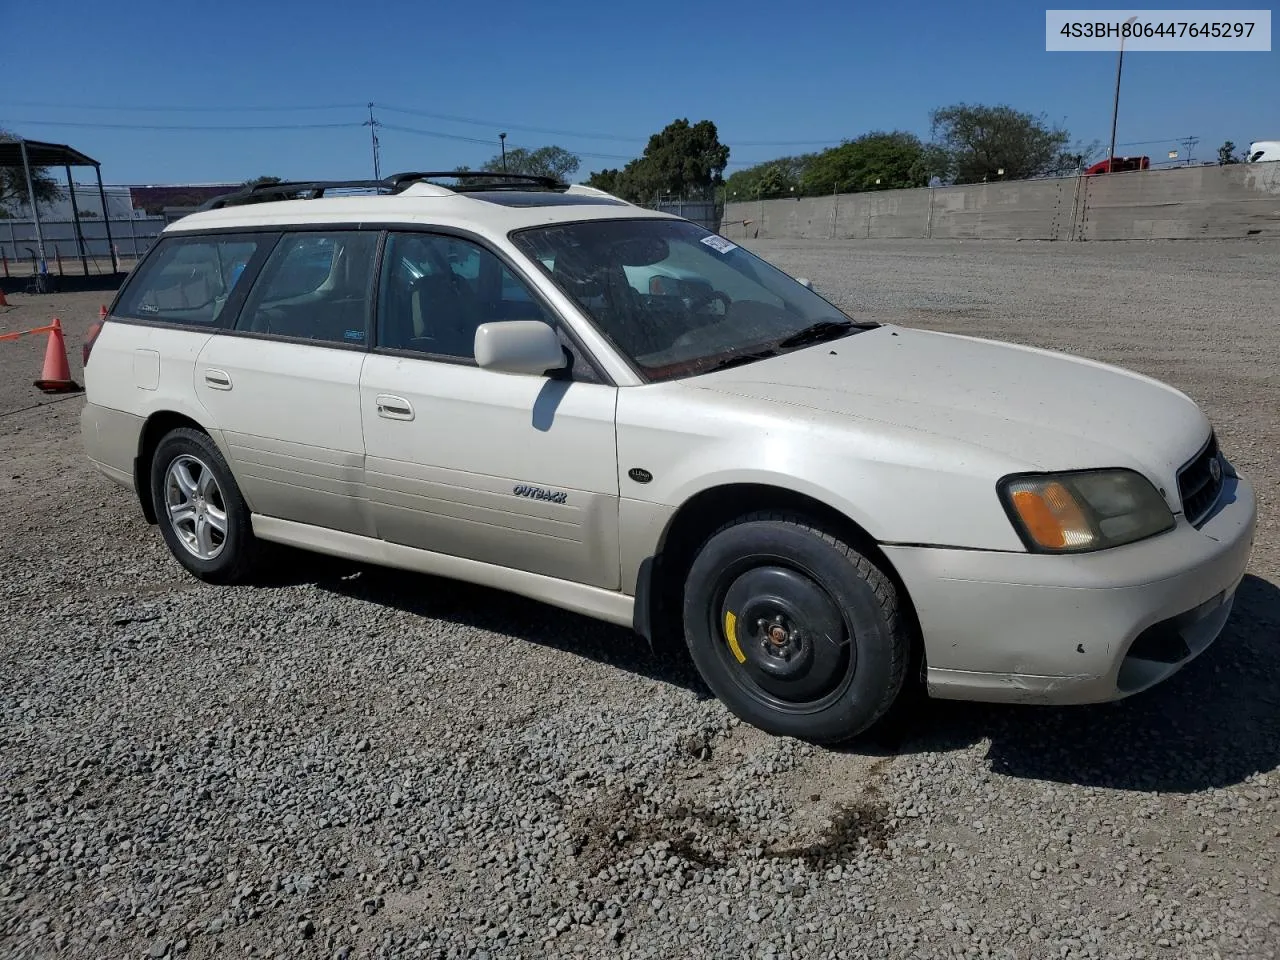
x=719, y=243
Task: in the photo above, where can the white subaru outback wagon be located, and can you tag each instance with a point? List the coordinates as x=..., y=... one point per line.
x=544, y=389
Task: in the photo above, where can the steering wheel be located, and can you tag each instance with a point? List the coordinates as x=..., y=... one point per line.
x=700, y=300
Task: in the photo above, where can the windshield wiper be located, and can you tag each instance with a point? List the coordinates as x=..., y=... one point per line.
x=741, y=358
x=820, y=331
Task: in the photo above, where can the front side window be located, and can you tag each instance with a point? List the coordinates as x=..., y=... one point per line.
x=677, y=300
x=436, y=290
x=189, y=279
x=314, y=286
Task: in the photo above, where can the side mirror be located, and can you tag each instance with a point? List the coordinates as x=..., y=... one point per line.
x=805, y=282
x=518, y=346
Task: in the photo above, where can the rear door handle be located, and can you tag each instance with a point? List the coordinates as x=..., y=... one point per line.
x=394, y=408
x=218, y=379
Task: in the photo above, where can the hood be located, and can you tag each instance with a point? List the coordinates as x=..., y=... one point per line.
x=1046, y=410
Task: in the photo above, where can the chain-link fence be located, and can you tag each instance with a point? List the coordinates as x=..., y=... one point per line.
x=69, y=252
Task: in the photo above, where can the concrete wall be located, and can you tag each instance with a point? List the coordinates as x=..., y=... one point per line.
x=1233, y=201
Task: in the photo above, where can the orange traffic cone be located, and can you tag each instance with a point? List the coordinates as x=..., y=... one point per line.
x=56, y=377
x=3, y=301
x=102, y=312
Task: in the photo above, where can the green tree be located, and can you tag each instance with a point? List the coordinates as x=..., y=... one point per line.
x=13, y=184
x=549, y=161
x=773, y=178
x=682, y=159
x=606, y=180
x=979, y=141
x=896, y=159
x=1227, y=153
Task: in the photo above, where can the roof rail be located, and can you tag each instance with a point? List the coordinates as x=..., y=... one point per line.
x=288, y=190
x=312, y=189
x=490, y=179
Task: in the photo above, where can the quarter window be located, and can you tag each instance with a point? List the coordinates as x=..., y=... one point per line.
x=437, y=290
x=314, y=286
x=189, y=279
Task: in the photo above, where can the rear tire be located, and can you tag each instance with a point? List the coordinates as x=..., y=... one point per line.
x=795, y=630
x=200, y=510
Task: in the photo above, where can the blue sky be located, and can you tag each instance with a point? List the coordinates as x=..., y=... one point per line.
x=769, y=72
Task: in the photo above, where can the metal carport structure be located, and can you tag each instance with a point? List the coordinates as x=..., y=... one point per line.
x=26, y=155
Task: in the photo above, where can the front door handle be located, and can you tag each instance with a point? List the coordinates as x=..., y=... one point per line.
x=218, y=379
x=394, y=408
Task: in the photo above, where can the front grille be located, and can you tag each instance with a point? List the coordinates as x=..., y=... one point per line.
x=1199, y=483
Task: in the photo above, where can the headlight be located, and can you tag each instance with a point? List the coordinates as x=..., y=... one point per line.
x=1084, y=510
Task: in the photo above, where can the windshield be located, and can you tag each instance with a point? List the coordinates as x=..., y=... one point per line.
x=676, y=299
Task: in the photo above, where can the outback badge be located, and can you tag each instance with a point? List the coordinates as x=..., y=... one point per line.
x=538, y=493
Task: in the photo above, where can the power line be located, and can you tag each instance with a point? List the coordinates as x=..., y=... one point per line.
x=332, y=125
x=409, y=111
x=502, y=124
x=490, y=142
x=1143, y=143
x=185, y=126
x=188, y=109
x=436, y=133
x=496, y=124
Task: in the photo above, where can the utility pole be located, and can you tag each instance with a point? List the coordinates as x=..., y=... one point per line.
x=372, y=124
x=1115, y=107
x=502, y=138
x=1188, y=144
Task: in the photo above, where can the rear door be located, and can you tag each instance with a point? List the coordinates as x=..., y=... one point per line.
x=283, y=384
x=519, y=471
x=180, y=295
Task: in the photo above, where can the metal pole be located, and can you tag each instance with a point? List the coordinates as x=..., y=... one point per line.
x=1115, y=106
x=1115, y=111
x=75, y=215
x=106, y=220
x=373, y=138
x=35, y=214
x=502, y=138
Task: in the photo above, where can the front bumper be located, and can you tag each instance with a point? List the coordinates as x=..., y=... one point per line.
x=1031, y=628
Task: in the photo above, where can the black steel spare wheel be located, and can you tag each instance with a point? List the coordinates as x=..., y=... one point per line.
x=786, y=641
x=794, y=629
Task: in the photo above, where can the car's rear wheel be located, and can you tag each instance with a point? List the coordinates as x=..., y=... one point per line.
x=794, y=629
x=201, y=513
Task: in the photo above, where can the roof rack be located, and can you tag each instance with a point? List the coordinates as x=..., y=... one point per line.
x=491, y=179
x=313, y=189
x=288, y=190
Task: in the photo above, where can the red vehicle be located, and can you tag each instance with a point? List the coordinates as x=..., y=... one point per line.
x=1119, y=165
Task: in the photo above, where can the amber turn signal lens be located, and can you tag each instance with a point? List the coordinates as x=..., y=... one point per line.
x=1051, y=516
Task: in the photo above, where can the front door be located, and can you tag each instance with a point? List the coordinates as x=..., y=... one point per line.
x=283, y=385
x=519, y=471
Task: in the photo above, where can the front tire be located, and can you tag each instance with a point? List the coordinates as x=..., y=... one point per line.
x=201, y=512
x=796, y=631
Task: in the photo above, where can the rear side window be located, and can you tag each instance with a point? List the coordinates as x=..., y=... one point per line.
x=189, y=279
x=314, y=286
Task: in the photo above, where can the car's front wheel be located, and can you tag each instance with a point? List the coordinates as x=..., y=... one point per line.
x=201, y=513
x=795, y=630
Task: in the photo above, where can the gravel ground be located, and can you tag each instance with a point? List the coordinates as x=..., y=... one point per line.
x=344, y=761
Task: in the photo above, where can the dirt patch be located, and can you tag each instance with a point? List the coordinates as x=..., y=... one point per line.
x=854, y=828
x=611, y=830
x=708, y=839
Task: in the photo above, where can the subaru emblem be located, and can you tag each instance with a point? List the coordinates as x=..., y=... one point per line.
x=1215, y=470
